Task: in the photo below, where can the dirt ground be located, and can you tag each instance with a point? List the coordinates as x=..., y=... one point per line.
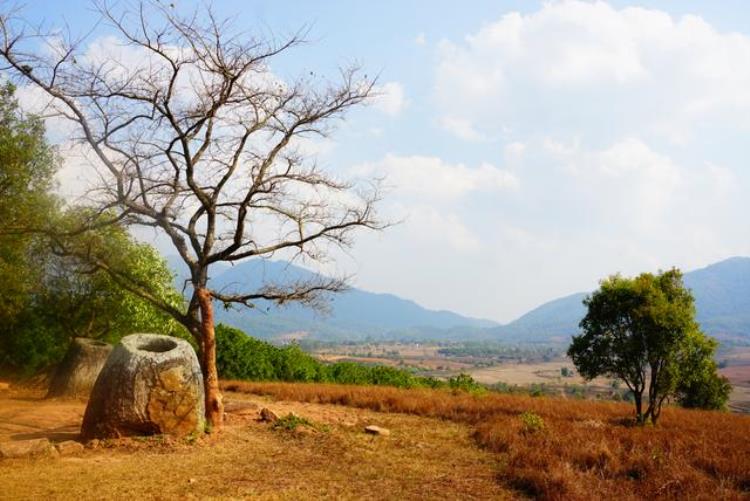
x=421, y=459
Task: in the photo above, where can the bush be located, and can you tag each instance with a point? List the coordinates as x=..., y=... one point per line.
x=711, y=391
x=290, y=422
x=532, y=423
x=465, y=382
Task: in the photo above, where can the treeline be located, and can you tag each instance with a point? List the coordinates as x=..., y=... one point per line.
x=503, y=350
x=240, y=356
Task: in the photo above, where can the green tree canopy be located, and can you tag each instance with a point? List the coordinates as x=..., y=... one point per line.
x=27, y=168
x=643, y=331
x=71, y=299
x=49, y=296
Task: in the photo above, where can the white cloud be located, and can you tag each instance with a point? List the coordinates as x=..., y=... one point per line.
x=421, y=39
x=431, y=227
x=431, y=177
x=391, y=98
x=573, y=65
x=462, y=128
x=513, y=153
x=628, y=184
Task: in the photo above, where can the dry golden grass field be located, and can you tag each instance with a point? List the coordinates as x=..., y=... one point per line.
x=423, y=458
x=441, y=446
x=577, y=449
x=524, y=374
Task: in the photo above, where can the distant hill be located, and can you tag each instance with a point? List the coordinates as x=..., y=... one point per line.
x=354, y=314
x=722, y=299
x=721, y=290
x=556, y=320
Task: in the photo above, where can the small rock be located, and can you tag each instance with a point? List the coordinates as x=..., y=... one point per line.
x=304, y=430
x=69, y=448
x=191, y=480
x=240, y=408
x=26, y=448
x=4, y=386
x=377, y=430
x=93, y=444
x=268, y=415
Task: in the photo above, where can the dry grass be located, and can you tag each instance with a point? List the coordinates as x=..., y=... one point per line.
x=422, y=459
x=585, y=450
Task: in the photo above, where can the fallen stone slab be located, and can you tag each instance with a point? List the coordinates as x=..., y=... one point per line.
x=377, y=430
x=26, y=448
x=69, y=448
x=239, y=407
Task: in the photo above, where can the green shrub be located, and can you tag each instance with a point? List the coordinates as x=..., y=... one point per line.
x=532, y=423
x=464, y=382
x=290, y=422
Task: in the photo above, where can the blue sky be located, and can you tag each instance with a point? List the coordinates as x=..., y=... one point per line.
x=531, y=148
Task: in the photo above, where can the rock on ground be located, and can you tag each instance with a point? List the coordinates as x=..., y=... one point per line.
x=239, y=407
x=77, y=373
x=26, y=448
x=69, y=448
x=377, y=430
x=150, y=385
x=268, y=415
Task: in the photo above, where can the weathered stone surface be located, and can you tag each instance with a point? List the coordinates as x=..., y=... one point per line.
x=69, y=448
x=4, y=386
x=25, y=448
x=93, y=444
x=377, y=430
x=268, y=415
x=77, y=373
x=150, y=385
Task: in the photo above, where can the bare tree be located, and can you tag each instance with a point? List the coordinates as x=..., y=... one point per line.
x=192, y=134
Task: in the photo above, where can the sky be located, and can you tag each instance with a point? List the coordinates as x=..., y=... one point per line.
x=529, y=148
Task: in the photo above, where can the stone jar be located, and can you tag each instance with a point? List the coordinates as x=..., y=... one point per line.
x=150, y=385
x=77, y=373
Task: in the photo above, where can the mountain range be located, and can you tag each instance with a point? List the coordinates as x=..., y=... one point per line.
x=721, y=291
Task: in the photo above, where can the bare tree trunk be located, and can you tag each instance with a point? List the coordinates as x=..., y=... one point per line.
x=638, y=397
x=214, y=405
x=653, y=397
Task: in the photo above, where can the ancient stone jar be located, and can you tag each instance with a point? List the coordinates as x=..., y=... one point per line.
x=77, y=373
x=151, y=384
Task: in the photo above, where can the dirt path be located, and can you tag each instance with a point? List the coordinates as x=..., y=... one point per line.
x=421, y=459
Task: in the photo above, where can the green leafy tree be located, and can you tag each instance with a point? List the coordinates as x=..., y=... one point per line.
x=48, y=298
x=27, y=168
x=643, y=331
x=87, y=301
x=70, y=299
x=701, y=386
